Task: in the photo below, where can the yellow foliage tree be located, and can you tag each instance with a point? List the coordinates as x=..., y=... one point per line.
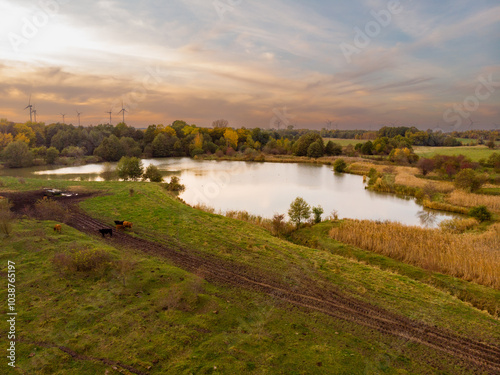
x=169, y=130
x=231, y=137
x=23, y=129
x=22, y=137
x=5, y=139
x=198, y=141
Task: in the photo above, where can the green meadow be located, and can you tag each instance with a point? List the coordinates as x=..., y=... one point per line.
x=160, y=319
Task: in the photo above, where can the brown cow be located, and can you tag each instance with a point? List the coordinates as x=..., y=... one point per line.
x=57, y=228
x=127, y=224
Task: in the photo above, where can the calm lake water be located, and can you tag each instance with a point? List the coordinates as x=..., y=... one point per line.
x=268, y=188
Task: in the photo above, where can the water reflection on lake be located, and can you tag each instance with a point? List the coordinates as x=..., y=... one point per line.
x=268, y=188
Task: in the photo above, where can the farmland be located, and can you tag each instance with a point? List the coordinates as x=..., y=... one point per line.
x=475, y=153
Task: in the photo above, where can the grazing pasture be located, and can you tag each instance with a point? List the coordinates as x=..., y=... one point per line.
x=475, y=153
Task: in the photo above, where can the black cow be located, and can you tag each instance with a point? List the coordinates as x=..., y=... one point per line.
x=106, y=231
x=118, y=222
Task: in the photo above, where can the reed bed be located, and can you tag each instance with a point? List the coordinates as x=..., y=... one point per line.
x=407, y=177
x=462, y=198
x=472, y=257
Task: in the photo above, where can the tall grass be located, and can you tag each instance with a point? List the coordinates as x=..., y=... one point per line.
x=461, y=198
x=472, y=257
x=406, y=177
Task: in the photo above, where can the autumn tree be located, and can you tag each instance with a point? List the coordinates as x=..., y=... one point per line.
x=231, y=137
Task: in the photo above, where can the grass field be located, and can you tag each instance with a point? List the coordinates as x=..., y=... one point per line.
x=177, y=323
x=475, y=153
x=344, y=142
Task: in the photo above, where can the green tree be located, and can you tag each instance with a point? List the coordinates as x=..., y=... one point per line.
x=299, y=209
x=333, y=149
x=315, y=149
x=367, y=148
x=317, y=212
x=469, y=180
x=51, y=155
x=339, y=166
x=17, y=155
x=302, y=145
x=110, y=149
x=153, y=174
x=130, y=168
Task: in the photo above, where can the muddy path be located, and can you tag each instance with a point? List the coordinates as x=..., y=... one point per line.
x=309, y=294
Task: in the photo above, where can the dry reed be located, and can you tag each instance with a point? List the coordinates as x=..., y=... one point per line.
x=407, y=177
x=462, y=198
x=472, y=257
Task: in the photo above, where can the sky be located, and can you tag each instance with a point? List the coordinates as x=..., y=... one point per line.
x=352, y=64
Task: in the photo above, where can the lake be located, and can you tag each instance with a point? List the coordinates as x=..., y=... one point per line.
x=268, y=188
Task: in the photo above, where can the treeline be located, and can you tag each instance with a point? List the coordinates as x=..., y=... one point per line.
x=415, y=136
x=29, y=143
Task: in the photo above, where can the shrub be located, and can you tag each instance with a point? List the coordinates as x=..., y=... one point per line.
x=317, y=211
x=481, y=213
x=339, y=166
x=426, y=165
x=17, y=155
x=469, y=180
x=174, y=185
x=48, y=209
x=153, y=174
x=82, y=259
x=51, y=155
x=279, y=224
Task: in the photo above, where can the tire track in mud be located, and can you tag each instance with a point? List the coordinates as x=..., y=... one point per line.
x=309, y=295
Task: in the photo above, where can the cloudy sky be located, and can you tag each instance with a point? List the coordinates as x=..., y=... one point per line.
x=360, y=64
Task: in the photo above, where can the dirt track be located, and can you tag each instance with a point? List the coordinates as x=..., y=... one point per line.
x=308, y=295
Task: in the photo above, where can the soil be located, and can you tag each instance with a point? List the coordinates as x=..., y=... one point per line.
x=308, y=295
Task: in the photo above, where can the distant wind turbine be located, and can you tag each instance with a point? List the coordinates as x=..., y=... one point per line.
x=78, y=114
x=63, y=115
x=109, y=112
x=123, y=110
x=30, y=106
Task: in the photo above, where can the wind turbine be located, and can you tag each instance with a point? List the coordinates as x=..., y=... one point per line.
x=110, y=112
x=78, y=114
x=123, y=110
x=30, y=106
x=63, y=115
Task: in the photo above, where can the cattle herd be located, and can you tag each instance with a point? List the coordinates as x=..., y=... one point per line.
x=119, y=225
